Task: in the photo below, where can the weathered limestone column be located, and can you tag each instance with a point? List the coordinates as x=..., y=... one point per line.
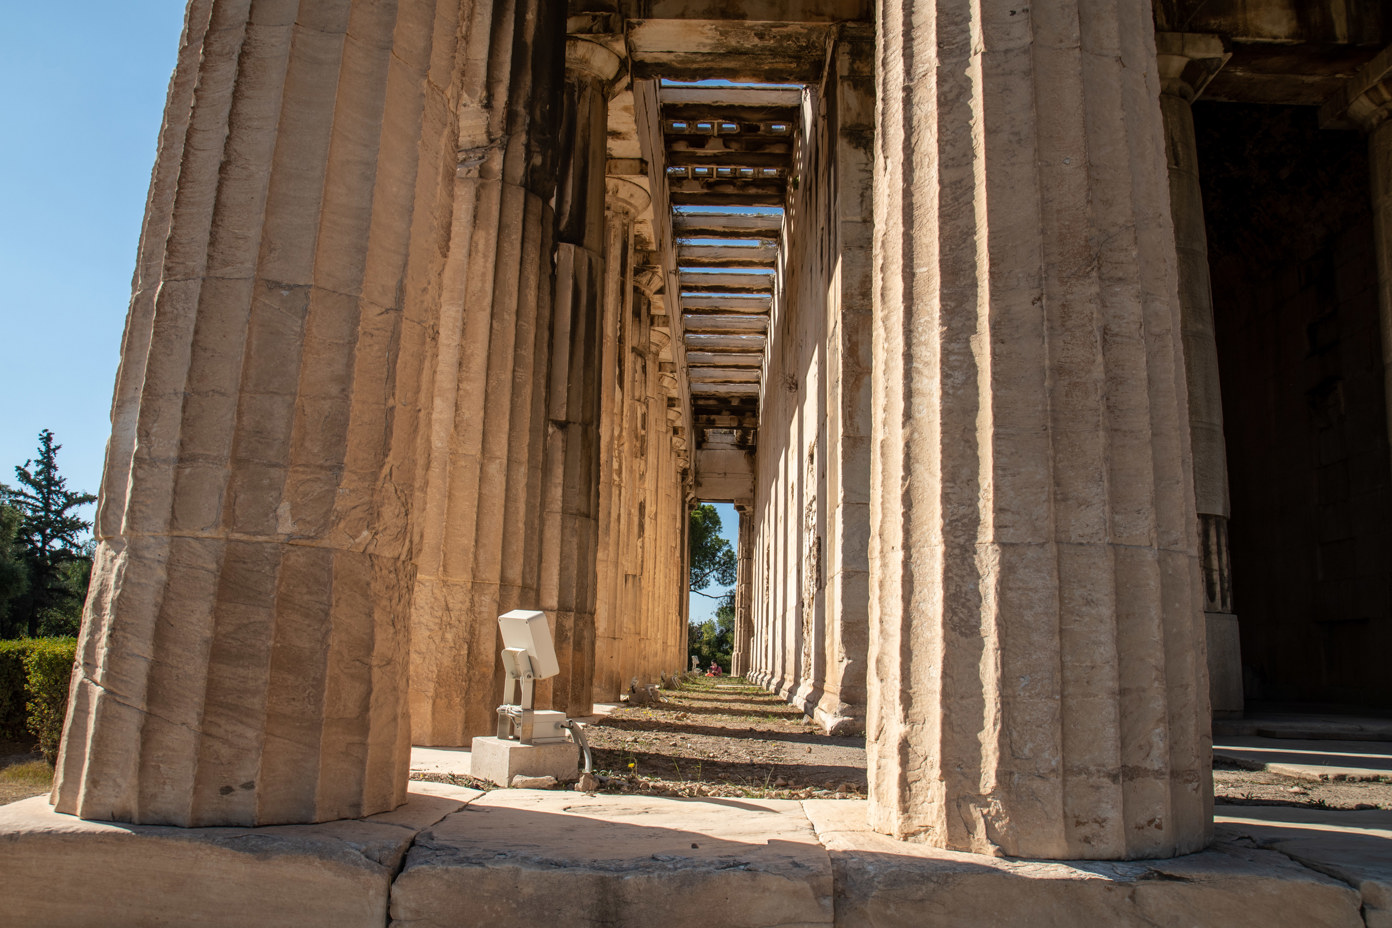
x=1187, y=62
x=744, y=627
x=243, y=659
x=1366, y=102
x=480, y=551
x=1039, y=686
x=570, y=508
x=623, y=468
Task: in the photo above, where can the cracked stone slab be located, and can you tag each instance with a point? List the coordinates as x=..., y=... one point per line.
x=149, y=875
x=888, y=884
x=535, y=857
x=1354, y=847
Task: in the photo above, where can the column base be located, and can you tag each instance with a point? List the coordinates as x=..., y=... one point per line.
x=1224, y=665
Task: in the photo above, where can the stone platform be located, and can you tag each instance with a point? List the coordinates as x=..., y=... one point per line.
x=458, y=857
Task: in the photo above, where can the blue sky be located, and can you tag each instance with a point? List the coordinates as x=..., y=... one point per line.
x=83, y=86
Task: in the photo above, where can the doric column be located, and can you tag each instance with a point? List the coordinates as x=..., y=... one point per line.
x=1187, y=62
x=570, y=501
x=623, y=366
x=1039, y=686
x=744, y=629
x=1366, y=102
x=243, y=659
x=479, y=553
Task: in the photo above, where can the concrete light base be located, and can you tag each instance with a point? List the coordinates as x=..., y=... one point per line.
x=334, y=873
x=498, y=761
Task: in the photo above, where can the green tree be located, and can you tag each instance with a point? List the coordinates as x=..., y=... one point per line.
x=713, y=641
x=713, y=564
x=51, y=546
x=713, y=561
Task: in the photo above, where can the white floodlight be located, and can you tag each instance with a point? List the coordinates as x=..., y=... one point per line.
x=527, y=631
x=528, y=655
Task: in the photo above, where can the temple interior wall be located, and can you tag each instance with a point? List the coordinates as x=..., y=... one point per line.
x=1295, y=298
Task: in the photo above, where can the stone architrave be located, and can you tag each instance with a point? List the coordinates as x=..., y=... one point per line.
x=570, y=491
x=1039, y=686
x=480, y=551
x=243, y=659
x=1187, y=62
x=1366, y=103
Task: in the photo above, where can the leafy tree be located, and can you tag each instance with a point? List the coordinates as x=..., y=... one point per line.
x=713, y=561
x=713, y=641
x=713, y=564
x=51, y=547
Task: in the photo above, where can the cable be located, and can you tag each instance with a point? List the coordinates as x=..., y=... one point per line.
x=578, y=731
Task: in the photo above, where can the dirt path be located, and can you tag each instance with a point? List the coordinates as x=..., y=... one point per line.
x=717, y=737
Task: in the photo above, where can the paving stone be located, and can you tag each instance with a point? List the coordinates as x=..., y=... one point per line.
x=527, y=858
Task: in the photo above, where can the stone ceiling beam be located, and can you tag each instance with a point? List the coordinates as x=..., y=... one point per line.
x=777, y=52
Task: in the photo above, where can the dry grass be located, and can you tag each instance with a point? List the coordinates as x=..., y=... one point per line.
x=25, y=779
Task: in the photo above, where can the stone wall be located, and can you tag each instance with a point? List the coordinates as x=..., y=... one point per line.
x=811, y=506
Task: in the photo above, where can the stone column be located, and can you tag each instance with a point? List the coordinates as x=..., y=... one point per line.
x=1039, y=685
x=570, y=507
x=1366, y=103
x=479, y=555
x=623, y=376
x=1187, y=62
x=744, y=628
x=243, y=659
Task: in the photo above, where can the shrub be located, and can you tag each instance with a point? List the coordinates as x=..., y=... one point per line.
x=12, y=695
x=48, y=670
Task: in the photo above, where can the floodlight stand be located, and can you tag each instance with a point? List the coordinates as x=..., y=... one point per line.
x=515, y=718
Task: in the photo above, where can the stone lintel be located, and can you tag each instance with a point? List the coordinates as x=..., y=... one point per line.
x=1188, y=61
x=1363, y=101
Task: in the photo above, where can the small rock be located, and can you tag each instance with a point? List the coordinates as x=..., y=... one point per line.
x=1298, y=790
x=587, y=783
x=780, y=782
x=1358, y=807
x=521, y=782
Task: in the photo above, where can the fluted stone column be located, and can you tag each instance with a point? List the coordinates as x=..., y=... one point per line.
x=623, y=465
x=1366, y=103
x=1039, y=685
x=480, y=552
x=570, y=506
x=744, y=629
x=1187, y=62
x=243, y=659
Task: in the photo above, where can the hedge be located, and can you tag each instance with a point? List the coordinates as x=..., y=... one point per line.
x=34, y=678
x=12, y=695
